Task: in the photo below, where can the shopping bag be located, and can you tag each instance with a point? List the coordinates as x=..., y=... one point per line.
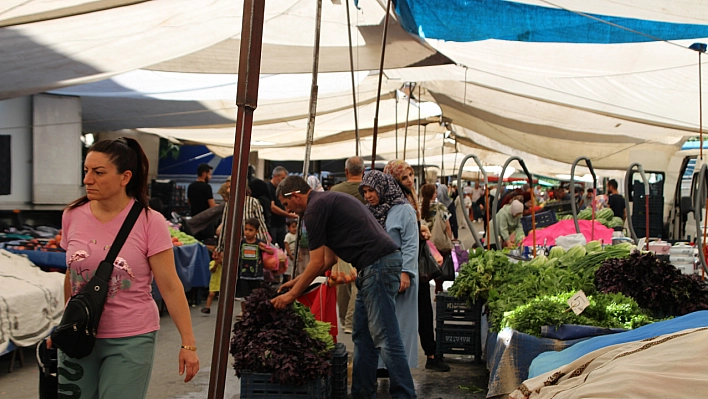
x=271, y=262
x=460, y=256
x=439, y=235
x=435, y=253
x=447, y=268
x=428, y=268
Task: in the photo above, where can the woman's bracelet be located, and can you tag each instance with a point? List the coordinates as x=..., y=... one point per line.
x=189, y=348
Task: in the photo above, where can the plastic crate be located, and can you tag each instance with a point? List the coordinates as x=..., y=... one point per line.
x=448, y=308
x=458, y=339
x=258, y=386
x=339, y=379
x=543, y=219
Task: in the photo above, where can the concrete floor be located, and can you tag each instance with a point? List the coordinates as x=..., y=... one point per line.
x=465, y=380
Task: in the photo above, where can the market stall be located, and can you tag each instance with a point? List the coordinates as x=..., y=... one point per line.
x=531, y=303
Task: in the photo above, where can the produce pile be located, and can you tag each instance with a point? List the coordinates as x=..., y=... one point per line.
x=605, y=216
x=528, y=295
x=655, y=285
x=180, y=238
x=290, y=344
x=41, y=244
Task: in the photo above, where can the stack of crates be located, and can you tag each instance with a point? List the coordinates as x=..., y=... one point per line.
x=340, y=359
x=458, y=327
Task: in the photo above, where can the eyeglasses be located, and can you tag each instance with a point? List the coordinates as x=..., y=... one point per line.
x=286, y=195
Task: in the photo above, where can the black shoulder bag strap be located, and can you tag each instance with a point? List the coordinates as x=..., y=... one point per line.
x=105, y=268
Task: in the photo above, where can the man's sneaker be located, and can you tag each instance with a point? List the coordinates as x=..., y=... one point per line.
x=347, y=330
x=206, y=310
x=436, y=364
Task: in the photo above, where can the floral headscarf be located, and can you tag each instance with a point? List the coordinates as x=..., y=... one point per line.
x=397, y=168
x=389, y=192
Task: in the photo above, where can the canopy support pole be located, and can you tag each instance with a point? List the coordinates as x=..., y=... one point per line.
x=246, y=101
x=378, y=91
x=351, y=67
x=408, y=111
x=311, y=119
x=396, y=117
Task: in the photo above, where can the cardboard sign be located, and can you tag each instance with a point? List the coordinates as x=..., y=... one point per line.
x=578, y=302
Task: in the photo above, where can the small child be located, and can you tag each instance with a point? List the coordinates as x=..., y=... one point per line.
x=250, y=264
x=290, y=242
x=214, y=281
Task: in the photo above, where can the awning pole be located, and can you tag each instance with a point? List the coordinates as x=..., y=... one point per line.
x=395, y=111
x=378, y=91
x=351, y=67
x=408, y=111
x=311, y=119
x=246, y=101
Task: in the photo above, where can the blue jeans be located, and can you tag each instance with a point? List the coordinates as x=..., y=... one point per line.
x=376, y=331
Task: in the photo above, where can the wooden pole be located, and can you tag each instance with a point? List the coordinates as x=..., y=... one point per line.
x=351, y=67
x=246, y=101
x=378, y=93
x=311, y=118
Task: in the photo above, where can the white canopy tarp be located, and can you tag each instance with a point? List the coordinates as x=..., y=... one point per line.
x=47, y=45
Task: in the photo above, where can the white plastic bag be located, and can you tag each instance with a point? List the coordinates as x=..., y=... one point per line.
x=571, y=240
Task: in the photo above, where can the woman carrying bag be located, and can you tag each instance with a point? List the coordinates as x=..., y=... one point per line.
x=403, y=173
x=120, y=363
x=389, y=206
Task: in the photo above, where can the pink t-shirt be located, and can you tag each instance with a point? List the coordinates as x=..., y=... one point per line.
x=129, y=309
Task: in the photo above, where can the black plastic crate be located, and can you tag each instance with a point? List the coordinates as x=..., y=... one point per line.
x=543, y=219
x=340, y=360
x=459, y=339
x=258, y=386
x=452, y=309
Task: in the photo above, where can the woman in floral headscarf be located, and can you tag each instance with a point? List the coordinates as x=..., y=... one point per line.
x=391, y=209
x=404, y=175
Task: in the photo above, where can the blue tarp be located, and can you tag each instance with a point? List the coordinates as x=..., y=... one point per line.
x=472, y=20
x=509, y=354
x=546, y=362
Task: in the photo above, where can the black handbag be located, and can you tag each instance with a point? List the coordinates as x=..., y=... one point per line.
x=428, y=268
x=448, y=269
x=76, y=334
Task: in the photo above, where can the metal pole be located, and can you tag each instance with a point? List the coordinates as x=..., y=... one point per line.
x=442, y=160
x=408, y=111
x=311, y=119
x=395, y=111
x=246, y=101
x=378, y=92
x=700, y=102
x=351, y=67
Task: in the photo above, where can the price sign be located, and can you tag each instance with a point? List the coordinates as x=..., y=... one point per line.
x=578, y=302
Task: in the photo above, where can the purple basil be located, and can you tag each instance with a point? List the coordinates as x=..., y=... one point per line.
x=267, y=340
x=655, y=285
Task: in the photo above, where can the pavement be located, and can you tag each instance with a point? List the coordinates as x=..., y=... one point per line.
x=465, y=380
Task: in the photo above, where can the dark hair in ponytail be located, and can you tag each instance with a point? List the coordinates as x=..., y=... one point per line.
x=427, y=192
x=126, y=154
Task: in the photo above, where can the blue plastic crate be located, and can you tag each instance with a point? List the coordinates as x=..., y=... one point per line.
x=258, y=386
x=543, y=219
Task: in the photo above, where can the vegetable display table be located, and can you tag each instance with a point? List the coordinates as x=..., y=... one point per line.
x=191, y=261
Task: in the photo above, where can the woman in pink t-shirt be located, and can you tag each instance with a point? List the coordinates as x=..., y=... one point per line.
x=121, y=361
